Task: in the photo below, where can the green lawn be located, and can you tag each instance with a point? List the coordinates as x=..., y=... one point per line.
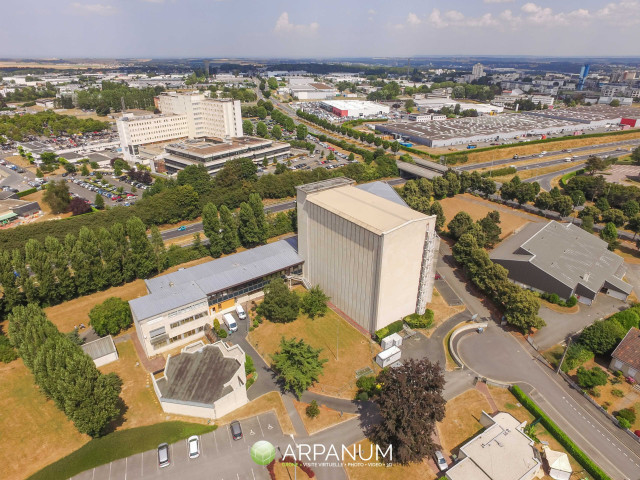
x=119, y=445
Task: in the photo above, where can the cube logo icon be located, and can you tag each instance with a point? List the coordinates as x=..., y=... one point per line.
x=263, y=452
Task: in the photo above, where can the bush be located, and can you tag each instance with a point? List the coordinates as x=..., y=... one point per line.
x=572, y=449
x=420, y=321
x=110, y=316
x=362, y=396
x=390, y=329
x=627, y=319
x=572, y=301
x=222, y=333
x=312, y=409
x=249, y=368
x=624, y=423
x=7, y=352
x=617, y=393
x=629, y=414
x=367, y=385
x=591, y=378
x=576, y=356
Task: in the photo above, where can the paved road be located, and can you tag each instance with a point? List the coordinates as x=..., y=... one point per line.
x=496, y=354
x=545, y=180
x=584, y=150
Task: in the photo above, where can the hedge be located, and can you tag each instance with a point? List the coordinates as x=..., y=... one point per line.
x=498, y=172
x=392, y=328
x=24, y=193
x=420, y=321
x=565, y=178
x=589, y=465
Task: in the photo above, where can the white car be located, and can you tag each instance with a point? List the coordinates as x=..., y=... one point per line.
x=193, y=444
x=441, y=461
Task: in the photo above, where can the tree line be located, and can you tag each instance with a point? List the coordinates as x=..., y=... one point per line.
x=64, y=373
x=109, y=98
x=18, y=127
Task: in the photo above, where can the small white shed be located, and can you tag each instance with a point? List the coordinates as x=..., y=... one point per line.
x=393, y=340
x=559, y=466
x=388, y=357
x=102, y=351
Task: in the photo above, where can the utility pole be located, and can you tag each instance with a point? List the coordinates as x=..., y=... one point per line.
x=564, y=355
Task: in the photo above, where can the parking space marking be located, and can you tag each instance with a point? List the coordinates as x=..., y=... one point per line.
x=260, y=425
x=216, y=441
x=142, y=464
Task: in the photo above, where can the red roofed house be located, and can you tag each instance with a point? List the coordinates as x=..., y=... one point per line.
x=626, y=356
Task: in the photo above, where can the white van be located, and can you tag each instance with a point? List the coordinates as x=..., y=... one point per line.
x=240, y=311
x=230, y=322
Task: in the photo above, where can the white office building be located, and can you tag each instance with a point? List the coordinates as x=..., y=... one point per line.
x=183, y=115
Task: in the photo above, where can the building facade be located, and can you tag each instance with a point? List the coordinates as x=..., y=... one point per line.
x=373, y=257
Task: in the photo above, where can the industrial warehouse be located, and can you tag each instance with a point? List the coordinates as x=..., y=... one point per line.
x=491, y=128
x=355, y=108
x=371, y=253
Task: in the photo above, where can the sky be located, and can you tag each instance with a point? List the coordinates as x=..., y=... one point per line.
x=317, y=28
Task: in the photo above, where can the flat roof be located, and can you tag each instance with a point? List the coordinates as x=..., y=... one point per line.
x=365, y=209
x=173, y=295
x=500, y=452
x=207, y=148
x=198, y=377
x=593, y=113
x=565, y=251
x=99, y=348
x=232, y=270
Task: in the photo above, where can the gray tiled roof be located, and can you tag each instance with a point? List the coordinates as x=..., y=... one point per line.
x=99, y=348
x=173, y=296
x=628, y=350
x=384, y=190
x=232, y=270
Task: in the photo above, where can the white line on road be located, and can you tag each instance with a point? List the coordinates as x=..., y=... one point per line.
x=142, y=464
x=260, y=425
x=216, y=441
x=110, y=470
x=125, y=467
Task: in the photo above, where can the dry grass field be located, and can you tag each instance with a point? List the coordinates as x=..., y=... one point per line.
x=37, y=197
x=375, y=471
x=355, y=350
x=30, y=423
x=478, y=208
x=69, y=314
x=327, y=417
x=461, y=421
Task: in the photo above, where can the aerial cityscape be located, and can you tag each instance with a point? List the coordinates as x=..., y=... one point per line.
x=279, y=241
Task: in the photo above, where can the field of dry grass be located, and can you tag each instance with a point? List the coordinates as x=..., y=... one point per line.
x=30, y=423
x=461, y=421
x=478, y=208
x=74, y=312
x=355, y=350
x=37, y=197
x=373, y=470
x=271, y=401
x=327, y=417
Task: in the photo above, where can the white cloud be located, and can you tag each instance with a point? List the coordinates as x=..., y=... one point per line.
x=498, y=1
x=372, y=11
x=94, y=9
x=413, y=19
x=454, y=18
x=283, y=25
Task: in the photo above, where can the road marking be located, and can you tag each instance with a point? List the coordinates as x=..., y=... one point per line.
x=216, y=442
x=142, y=464
x=260, y=425
x=93, y=474
x=253, y=474
x=125, y=467
x=111, y=463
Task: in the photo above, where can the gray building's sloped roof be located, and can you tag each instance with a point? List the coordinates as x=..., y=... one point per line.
x=628, y=350
x=566, y=252
x=99, y=348
x=236, y=269
x=383, y=190
x=172, y=296
x=199, y=377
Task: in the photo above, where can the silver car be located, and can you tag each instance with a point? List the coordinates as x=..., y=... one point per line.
x=441, y=461
x=193, y=446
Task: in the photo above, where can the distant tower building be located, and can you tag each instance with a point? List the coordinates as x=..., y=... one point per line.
x=584, y=72
x=478, y=70
x=206, y=68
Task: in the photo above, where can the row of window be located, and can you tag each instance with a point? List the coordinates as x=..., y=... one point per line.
x=186, y=334
x=252, y=286
x=187, y=320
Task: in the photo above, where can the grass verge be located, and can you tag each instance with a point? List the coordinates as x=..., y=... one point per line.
x=119, y=445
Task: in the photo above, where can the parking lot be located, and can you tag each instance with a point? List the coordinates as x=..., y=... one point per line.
x=221, y=458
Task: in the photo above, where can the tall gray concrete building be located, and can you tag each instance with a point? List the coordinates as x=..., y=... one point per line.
x=374, y=256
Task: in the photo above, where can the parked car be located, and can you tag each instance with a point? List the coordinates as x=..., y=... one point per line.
x=193, y=444
x=230, y=322
x=163, y=455
x=441, y=461
x=240, y=311
x=182, y=228
x=236, y=430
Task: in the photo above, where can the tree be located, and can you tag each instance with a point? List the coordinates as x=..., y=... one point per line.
x=633, y=225
x=312, y=409
x=56, y=195
x=587, y=223
x=255, y=202
x=615, y=102
x=39, y=173
x=563, y=205
x=280, y=305
x=297, y=365
x=212, y=229
x=262, y=130
x=594, y=164
x=261, y=112
x=84, y=171
x=436, y=209
x=229, y=230
x=602, y=204
x=142, y=254
x=248, y=233
x=635, y=156
x=463, y=248
x=247, y=127
x=99, y=202
x=159, y=249
x=276, y=131
x=602, y=336
x=491, y=229
x=314, y=302
x=459, y=224
x=70, y=167
x=631, y=208
x=610, y=235
x=78, y=206
x=591, y=378
x=301, y=131
x=111, y=316
x=521, y=307
x=416, y=386
x=615, y=216
x=197, y=176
